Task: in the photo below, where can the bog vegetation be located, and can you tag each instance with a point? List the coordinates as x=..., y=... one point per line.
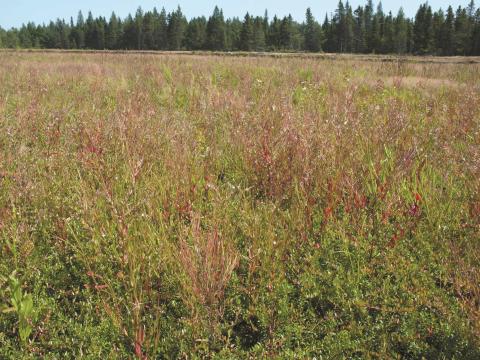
x=196, y=206
x=365, y=29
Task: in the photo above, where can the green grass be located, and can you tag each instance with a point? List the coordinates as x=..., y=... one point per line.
x=172, y=206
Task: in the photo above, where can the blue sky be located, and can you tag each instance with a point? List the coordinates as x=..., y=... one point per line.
x=14, y=13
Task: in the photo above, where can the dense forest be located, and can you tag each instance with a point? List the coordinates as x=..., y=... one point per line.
x=366, y=29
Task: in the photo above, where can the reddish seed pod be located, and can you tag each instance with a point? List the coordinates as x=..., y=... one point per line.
x=328, y=212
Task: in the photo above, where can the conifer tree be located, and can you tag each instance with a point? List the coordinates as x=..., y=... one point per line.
x=401, y=33
x=437, y=30
x=216, y=31
x=176, y=28
x=359, y=31
x=148, y=31
x=476, y=34
x=388, y=39
x=90, y=31
x=274, y=34
x=80, y=31
x=258, y=34
x=422, y=30
x=470, y=30
x=129, y=40
x=233, y=34
x=196, y=34
x=313, y=33
x=112, y=33
x=328, y=29
x=462, y=28
x=448, y=33
x=369, y=13
x=286, y=33
x=139, y=29
x=160, y=30
x=266, y=24
x=246, y=36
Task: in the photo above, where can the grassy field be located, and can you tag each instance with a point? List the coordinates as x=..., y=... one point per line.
x=174, y=206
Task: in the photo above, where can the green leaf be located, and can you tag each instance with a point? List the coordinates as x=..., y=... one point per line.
x=27, y=305
x=24, y=331
x=7, y=310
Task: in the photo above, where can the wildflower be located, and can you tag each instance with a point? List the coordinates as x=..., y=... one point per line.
x=418, y=197
x=414, y=210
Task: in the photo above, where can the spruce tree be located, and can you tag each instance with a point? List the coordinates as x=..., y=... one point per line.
x=448, y=33
x=148, y=31
x=388, y=40
x=348, y=31
x=246, y=36
x=379, y=34
x=258, y=34
x=196, y=34
x=90, y=31
x=129, y=39
x=80, y=31
x=340, y=27
x=329, y=35
x=99, y=34
x=376, y=35
x=112, y=33
x=470, y=30
x=63, y=33
x=274, y=34
x=216, y=31
x=176, y=28
x=360, y=31
x=401, y=33
x=161, y=30
x=313, y=33
x=422, y=30
x=462, y=38
x=286, y=33
x=370, y=35
x=139, y=38
x=437, y=30
x=266, y=24
x=476, y=34
x=233, y=34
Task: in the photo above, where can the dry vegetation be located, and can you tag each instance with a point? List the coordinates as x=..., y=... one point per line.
x=198, y=206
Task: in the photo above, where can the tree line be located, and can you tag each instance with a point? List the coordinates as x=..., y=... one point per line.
x=366, y=29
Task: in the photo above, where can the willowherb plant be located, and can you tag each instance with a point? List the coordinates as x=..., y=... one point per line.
x=22, y=305
x=208, y=260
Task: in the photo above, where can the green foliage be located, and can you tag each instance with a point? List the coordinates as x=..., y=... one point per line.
x=313, y=33
x=22, y=305
x=215, y=31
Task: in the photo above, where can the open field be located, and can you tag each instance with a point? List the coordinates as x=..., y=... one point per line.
x=172, y=206
x=281, y=55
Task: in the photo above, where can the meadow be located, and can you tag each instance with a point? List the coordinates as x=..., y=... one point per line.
x=193, y=206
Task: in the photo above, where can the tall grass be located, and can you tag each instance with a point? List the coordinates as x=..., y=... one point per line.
x=160, y=206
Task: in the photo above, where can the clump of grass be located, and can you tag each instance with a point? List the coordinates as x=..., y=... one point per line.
x=208, y=260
